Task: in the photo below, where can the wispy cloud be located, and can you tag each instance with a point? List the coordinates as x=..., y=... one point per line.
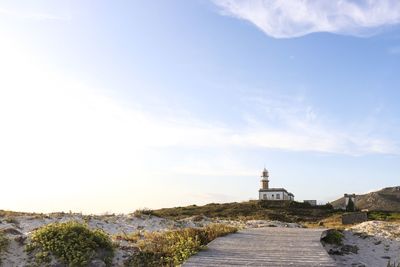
x=291, y=123
x=294, y=18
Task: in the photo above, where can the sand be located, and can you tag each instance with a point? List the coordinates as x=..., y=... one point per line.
x=369, y=244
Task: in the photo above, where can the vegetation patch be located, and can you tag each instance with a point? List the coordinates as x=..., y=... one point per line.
x=3, y=243
x=286, y=211
x=133, y=237
x=172, y=248
x=140, y=212
x=333, y=237
x=71, y=243
x=383, y=216
x=331, y=222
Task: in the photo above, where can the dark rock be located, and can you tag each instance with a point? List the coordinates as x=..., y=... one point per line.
x=11, y=231
x=347, y=249
x=20, y=239
x=335, y=252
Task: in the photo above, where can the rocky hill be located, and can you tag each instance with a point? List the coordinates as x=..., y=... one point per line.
x=387, y=199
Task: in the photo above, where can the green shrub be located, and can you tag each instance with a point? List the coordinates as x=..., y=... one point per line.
x=171, y=248
x=334, y=237
x=141, y=212
x=384, y=216
x=3, y=243
x=11, y=220
x=72, y=243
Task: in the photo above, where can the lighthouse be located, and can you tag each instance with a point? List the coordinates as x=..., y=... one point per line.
x=267, y=193
x=264, y=179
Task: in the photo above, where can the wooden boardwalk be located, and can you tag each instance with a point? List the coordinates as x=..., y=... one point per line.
x=265, y=247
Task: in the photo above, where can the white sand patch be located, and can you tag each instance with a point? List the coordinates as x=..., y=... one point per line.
x=374, y=242
x=390, y=230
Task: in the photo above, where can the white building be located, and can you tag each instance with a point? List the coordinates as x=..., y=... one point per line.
x=266, y=193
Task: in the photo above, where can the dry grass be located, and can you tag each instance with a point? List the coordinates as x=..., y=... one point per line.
x=331, y=222
x=171, y=248
x=133, y=237
x=335, y=221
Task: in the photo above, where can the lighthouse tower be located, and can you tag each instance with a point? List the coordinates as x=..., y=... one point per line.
x=264, y=179
x=267, y=193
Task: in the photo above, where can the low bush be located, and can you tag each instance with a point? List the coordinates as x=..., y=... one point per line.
x=333, y=237
x=383, y=216
x=3, y=243
x=11, y=220
x=141, y=212
x=171, y=248
x=72, y=243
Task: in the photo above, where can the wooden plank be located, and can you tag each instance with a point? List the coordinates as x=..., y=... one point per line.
x=265, y=247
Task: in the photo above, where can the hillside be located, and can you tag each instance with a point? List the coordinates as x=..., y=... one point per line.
x=387, y=199
x=287, y=211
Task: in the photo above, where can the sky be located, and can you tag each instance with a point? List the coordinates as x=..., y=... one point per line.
x=112, y=106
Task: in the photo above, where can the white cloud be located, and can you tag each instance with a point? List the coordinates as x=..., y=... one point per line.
x=289, y=122
x=294, y=18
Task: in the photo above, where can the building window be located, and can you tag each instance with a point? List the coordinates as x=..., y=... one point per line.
x=272, y=196
x=265, y=196
x=278, y=196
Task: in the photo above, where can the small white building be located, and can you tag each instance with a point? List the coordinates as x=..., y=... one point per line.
x=266, y=193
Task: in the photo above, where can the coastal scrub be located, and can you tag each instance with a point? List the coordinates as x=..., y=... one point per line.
x=171, y=248
x=71, y=243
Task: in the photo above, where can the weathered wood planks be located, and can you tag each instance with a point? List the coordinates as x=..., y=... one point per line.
x=265, y=247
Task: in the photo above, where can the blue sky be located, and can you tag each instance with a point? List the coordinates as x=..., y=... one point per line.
x=110, y=107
